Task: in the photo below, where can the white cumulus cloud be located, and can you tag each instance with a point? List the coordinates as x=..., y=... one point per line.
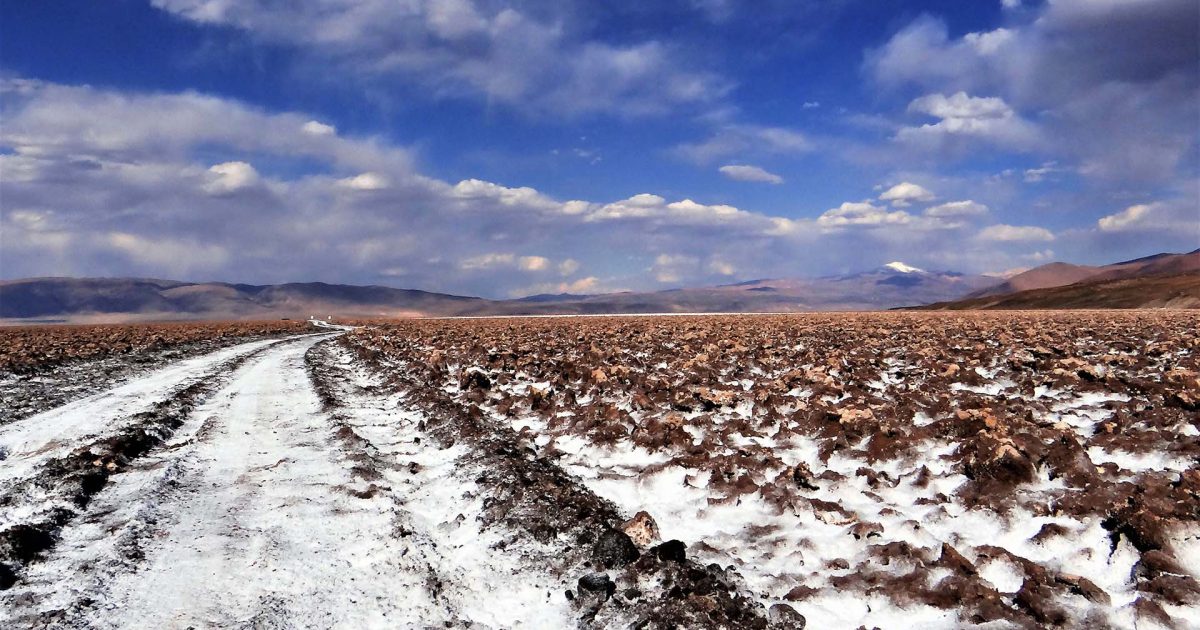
x=364, y=181
x=905, y=193
x=861, y=214
x=230, y=177
x=1178, y=216
x=533, y=263
x=957, y=209
x=748, y=173
x=315, y=128
x=1015, y=233
x=1125, y=219
x=962, y=115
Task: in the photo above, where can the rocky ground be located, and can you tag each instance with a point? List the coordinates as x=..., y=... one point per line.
x=824, y=471
x=883, y=469
x=43, y=367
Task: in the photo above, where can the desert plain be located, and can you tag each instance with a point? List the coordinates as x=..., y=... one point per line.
x=840, y=470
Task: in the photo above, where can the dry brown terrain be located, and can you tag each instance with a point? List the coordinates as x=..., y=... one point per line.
x=1177, y=291
x=905, y=469
x=42, y=367
x=1035, y=469
x=25, y=349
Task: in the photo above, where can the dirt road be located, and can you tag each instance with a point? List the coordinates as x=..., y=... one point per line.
x=219, y=493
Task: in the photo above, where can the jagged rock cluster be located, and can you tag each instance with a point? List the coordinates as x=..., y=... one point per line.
x=1029, y=468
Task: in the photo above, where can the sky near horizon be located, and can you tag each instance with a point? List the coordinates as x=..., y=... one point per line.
x=505, y=148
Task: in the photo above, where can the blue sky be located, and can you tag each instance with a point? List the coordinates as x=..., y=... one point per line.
x=506, y=148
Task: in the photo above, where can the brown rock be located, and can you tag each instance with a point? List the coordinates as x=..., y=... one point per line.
x=1085, y=587
x=641, y=529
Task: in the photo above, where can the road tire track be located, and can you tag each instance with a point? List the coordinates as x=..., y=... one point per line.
x=254, y=513
x=73, y=480
x=533, y=499
x=478, y=576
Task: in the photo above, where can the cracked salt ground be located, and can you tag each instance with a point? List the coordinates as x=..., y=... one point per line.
x=481, y=583
x=1002, y=482
x=774, y=550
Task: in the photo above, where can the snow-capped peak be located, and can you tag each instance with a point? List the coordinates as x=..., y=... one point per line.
x=903, y=268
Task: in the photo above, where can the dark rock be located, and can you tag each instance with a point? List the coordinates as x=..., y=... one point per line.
x=475, y=379
x=671, y=551
x=1040, y=602
x=615, y=549
x=1048, y=531
x=864, y=529
x=803, y=477
x=597, y=583
x=8, y=576
x=784, y=616
x=1150, y=610
x=1154, y=563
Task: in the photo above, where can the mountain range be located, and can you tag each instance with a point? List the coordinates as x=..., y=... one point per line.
x=890, y=286
x=1061, y=274
x=96, y=299
x=1158, y=281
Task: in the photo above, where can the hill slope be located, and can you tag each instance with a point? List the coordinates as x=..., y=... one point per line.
x=1059, y=274
x=80, y=298
x=1175, y=291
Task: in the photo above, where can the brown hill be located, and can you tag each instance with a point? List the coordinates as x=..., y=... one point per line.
x=1051, y=275
x=1160, y=265
x=1174, y=291
x=125, y=299
x=1062, y=274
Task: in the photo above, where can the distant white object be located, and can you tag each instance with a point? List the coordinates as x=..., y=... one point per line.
x=322, y=323
x=903, y=268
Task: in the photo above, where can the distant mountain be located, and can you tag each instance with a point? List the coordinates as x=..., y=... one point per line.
x=135, y=298
x=1157, y=265
x=1158, y=281
x=108, y=299
x=1176, y=291
x=895, y=284
x=1059, y=274
x=553, y=297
